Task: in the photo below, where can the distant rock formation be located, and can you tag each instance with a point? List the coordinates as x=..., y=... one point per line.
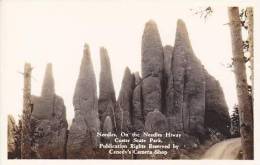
x=107, y=98
x=48, y=122
x=48, y=87
x=152, y=67
x=82, y=139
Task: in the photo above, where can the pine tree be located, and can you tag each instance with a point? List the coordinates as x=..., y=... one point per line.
x=235, y=123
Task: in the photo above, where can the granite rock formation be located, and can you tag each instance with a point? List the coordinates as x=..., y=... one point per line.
x=173, y=94
x=216, y=114
x=107, y=98
x=48, y=87
x=124, y=104
x=82, y=139
x=138, y=115
x=107, y=127
x=167, y=50
x=186, y=87
x=48, y=122
x=175, y=83
x=156, y=122
x=152, y=68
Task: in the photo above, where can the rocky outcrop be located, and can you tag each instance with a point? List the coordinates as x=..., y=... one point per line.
x=48, y=122
x=155, y=123
x=124, y=103
x=12, y=144
x=186, y=87
x=107, y=99
x=82, y=138
x=216, y=111
x=152, y=68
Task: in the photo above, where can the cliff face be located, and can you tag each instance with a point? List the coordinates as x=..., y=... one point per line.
x=82, y=137
x=48, y=121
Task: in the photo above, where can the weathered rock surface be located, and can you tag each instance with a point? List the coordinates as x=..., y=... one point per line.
x=138, y=114
x=107, y=99
x=12, y=129
x=167, y=51
x=107, y=127
x=124, y=103
x=156, y=122
x=82, y=139
x=48, y=121
x=152, y=67
x=186, y=87
x=216, y=114
x=167, y=74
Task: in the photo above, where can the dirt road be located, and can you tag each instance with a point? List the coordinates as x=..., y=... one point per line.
x=227, y=149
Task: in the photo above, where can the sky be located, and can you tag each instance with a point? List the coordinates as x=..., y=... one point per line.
x=40, y=32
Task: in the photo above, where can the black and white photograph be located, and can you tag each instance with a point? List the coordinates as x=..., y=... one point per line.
x=128, y=80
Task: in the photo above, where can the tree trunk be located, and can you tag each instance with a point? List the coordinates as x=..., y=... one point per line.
x=244, y=103
x=250, y=23
x=27, y=109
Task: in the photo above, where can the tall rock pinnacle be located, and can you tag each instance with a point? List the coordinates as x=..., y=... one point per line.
x=152, y=50
x=82, y=137
x=107, y=98
x=124, y=103
x=182, y=34
x=152, y=67
x=48, y=82
x=186, y=87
